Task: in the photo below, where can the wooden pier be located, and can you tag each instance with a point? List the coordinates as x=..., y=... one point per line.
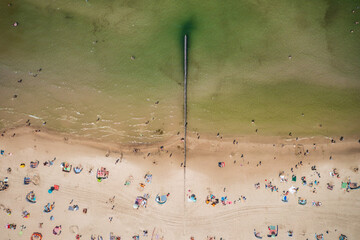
x=185, y=129
x=185, y=96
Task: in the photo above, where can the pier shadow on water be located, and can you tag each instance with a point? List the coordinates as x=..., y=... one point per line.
x=186, y=28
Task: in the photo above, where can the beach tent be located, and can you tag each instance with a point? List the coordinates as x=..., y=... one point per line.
x=36, y=236
x=161, y=199
x=78, y=169
x=34, y=164
x=31, y=197
x=49, y=207
x=293, y=178
x=354, y=186
x=284, y=199
x=221, y=164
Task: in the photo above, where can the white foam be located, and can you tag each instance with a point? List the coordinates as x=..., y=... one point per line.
x=34, y=117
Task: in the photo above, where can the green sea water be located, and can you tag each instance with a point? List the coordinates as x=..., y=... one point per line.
x=105, y=64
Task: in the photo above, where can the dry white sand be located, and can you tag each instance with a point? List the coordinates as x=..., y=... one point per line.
x=178, y=218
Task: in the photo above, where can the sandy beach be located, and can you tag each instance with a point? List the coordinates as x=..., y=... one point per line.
x=109, y=203
x=179, y=120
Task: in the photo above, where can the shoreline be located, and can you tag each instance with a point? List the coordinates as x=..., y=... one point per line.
x=53, y=135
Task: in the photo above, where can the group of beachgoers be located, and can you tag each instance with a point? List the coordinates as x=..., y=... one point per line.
x=315, y=175
x=31, y=197
x=141, y=201
x=161, y=198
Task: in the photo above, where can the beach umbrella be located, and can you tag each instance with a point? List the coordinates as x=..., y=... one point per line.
x=31, y=197
x=57, y=230
x=192, y=198
x=36, y=236
x=161, y=199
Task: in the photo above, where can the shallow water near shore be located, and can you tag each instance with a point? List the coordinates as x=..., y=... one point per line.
x=239, y=69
